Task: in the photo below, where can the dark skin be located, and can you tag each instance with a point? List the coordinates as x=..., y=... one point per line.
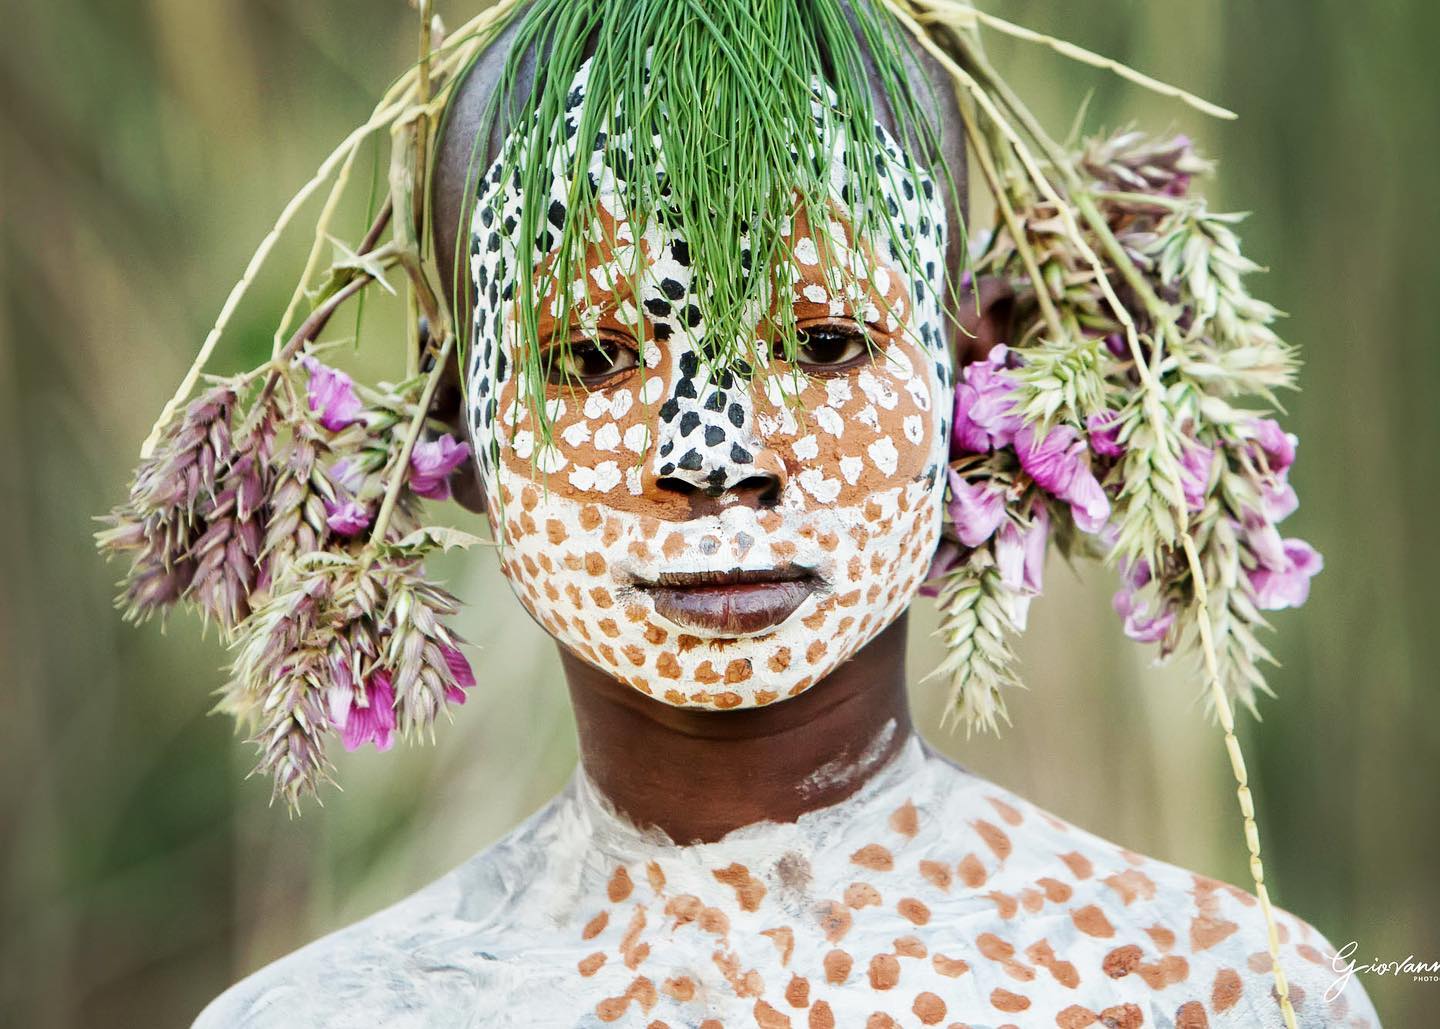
x=698, y=774
x=705, y=773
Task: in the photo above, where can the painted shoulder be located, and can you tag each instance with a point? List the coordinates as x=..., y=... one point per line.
x=1074, y=904
x=393, y=968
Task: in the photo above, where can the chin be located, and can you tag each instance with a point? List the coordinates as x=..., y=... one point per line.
x=733, y=611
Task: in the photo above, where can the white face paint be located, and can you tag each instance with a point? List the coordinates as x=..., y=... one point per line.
x=667, y=476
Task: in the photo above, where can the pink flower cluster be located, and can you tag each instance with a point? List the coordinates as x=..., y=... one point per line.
x=363, y=718
x=332, y=396
x=1284, y=567
x=432, y=463
x=1058, y=461
x=368, y=716
x=1143, y=622
x=978, y=513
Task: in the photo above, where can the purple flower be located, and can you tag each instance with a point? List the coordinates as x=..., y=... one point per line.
x=1053, y=462
x=1264, y=541
x=462, y=678
x=1060, y=465
x=1037, y=538
x=1088, y=504
x=431, y=464
x=348, y=474
x=1278, y=500
x=947, y=556
x=347, y=518
x=332, y=393
x=1288, y=585
x=1141, y=624
x=984, y=418
x=1277, y=444
x=1021, y=556
x=975, y=510
x=341, y=691
x=1104, y=430
x=1196, y=461
x=373, y=721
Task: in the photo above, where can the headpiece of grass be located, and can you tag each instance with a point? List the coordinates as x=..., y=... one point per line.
x=724, y=120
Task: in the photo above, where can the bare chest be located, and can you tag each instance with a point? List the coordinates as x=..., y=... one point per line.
x=955, y=929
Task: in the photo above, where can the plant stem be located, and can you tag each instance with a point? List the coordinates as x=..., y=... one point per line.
x=1155, y=414
x=382, y=116
x=309, y=329
x=312, y=260
x=402, y=460
x=372, y=237
x=417, y=195
x=1017, y=232
x=312, y=326
x=1090, y=57
x=422, y=132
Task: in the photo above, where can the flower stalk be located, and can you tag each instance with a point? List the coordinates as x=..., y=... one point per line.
x=400, y=468
x=1162, y=442
x=335, y=632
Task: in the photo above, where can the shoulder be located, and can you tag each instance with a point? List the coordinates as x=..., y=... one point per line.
x=1192, y=950
x=396, y=967
x=350, y=977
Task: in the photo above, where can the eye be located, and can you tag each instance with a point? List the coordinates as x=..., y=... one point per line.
x=589, y=362
x=831, y=346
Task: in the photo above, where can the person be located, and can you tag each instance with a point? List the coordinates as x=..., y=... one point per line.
x=724, y=546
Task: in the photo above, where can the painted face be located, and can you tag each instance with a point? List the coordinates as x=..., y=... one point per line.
x=716, y=537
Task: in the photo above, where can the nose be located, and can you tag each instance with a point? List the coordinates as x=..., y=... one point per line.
x=708, y=450
x=722, y=487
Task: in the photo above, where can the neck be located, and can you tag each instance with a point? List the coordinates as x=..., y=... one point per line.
x=697, y=775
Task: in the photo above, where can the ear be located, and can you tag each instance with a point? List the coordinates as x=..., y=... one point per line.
x=985, y=312
x=448, y=406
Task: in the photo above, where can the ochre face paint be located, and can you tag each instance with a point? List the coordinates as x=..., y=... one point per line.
x=608, y=528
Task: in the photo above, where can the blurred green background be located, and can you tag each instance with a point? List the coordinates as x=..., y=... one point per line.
x=148, y=144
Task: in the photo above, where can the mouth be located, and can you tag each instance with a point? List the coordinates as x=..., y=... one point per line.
x=735, y=603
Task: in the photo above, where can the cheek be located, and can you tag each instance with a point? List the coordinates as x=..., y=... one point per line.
x=599, y=444
x=856, y=435
x=559, y=559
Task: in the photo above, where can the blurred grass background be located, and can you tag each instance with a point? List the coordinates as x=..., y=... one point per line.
x=146, y=145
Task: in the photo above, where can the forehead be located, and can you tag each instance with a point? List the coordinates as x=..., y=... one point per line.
x=614, y=213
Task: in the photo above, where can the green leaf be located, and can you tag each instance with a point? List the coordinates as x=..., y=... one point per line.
x=441, y=537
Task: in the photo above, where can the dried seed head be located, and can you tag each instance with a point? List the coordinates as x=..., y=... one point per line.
x=227, y=556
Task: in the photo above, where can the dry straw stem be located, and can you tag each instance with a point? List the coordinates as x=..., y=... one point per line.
x=338, y=155
x=1007, y=211
x=398, y=100
x=961, y=20
x=312, y=261
x=964, y=16
x=412, y=435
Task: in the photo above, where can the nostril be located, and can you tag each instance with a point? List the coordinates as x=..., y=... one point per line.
x=675, y=484
x=762, y=490
x=765, y=488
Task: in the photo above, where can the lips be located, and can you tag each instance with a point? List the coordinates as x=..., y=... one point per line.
x=735, y=603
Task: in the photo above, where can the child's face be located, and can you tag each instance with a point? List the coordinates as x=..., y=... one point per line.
x=710, y=537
